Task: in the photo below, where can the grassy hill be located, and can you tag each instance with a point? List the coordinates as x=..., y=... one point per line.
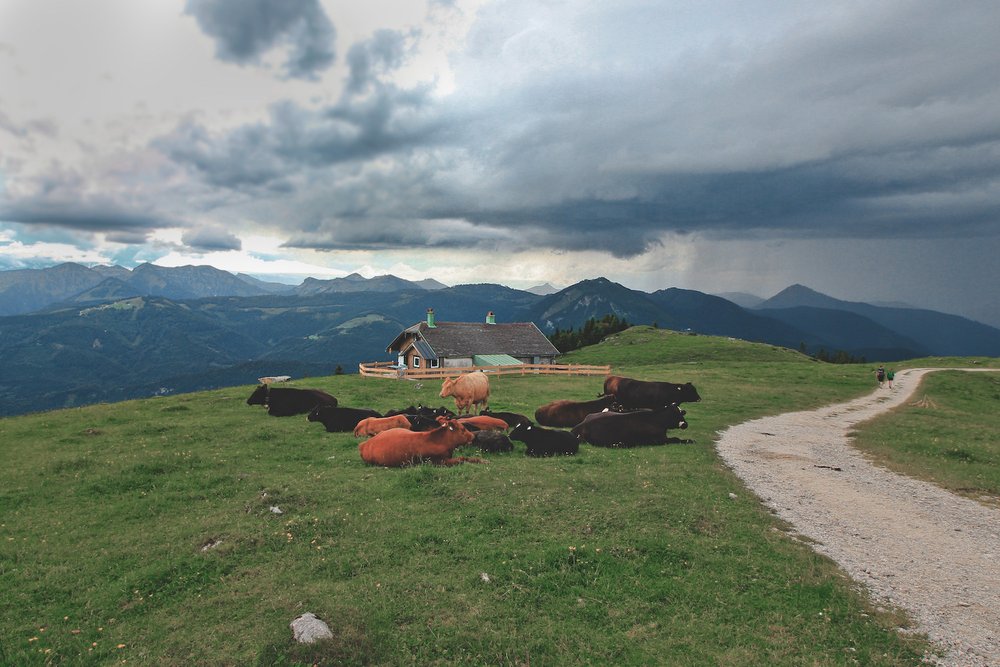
x=147, y=531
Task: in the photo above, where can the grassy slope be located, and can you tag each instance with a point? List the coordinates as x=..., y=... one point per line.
x=947, y=434
x=615, y=556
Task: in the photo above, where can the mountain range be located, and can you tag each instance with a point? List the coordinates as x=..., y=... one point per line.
x=72, y=335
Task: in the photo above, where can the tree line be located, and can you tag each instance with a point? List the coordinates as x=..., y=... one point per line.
x=592, y=332
x=595, y=330
x=836, y=357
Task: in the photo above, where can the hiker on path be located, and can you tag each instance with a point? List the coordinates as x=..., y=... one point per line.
x=880, y=375
x=889, y=374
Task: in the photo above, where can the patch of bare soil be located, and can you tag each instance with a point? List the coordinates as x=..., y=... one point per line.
x=912, y=544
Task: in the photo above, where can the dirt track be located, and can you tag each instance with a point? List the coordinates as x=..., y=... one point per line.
x=926, y=550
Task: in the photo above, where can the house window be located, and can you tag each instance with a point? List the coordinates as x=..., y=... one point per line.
x=434, y=363
x=416, y=362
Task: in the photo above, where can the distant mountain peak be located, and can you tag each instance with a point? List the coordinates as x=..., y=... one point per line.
x=543, y=290
x=430, y=284
x=742, y=299
x=799, y=288
x=800, y=295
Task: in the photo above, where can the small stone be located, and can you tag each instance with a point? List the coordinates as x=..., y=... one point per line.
x=733, y=496
x=276, y=510
x=307, y=629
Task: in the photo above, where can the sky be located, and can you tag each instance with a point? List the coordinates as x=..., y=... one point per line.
x=729, y=146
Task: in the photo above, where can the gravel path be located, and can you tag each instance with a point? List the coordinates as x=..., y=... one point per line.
x=923, y=549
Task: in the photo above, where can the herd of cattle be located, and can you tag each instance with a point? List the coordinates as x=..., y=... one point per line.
x=628, y=413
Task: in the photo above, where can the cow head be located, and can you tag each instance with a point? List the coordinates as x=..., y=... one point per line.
x=259, y=396
x=519, y=430
x=447, y=386
x=314, y=414
x=463, y=434
x=672, y=416
x=689, y=394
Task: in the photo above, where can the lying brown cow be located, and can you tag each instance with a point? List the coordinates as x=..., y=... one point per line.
x=375, y=425
x=399, y=447
x=570, y=413
x=483, y=423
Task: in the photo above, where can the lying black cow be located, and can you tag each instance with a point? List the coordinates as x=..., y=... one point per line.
x=492, y=441
x=424, y=411
x=635, y=394
x=340, y=419
x=628, y=429
x=512, y=418
x=420, y=422
x=570, y=413
x=545, y=441
x=286, y=401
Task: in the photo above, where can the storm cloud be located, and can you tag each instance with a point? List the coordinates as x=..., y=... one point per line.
x=245, y=30
x=209, y=238
x=382, y=53
x=820, y=127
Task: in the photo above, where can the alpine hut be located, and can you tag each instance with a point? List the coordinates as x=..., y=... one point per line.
x=432, y=344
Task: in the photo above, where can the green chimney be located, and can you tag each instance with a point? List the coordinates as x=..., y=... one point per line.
x=430, y=318
x=491, y=318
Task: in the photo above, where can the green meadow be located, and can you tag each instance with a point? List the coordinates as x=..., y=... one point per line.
x=948, y=434
x=148, y=532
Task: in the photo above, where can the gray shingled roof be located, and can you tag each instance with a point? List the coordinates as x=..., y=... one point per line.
x=464, y=339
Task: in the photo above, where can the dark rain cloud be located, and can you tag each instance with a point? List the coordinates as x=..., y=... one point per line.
x=261, y=156
x=93, y=215
x=85, y=201
x=870, y=122
x=210, y=238
x=245, y=30
x=384, y=52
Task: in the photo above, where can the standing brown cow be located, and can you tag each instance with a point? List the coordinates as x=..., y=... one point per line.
x=471, y=389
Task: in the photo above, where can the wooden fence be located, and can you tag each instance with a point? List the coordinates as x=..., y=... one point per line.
x=386, y=369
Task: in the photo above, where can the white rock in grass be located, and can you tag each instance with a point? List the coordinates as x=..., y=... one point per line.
x=307, y=629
